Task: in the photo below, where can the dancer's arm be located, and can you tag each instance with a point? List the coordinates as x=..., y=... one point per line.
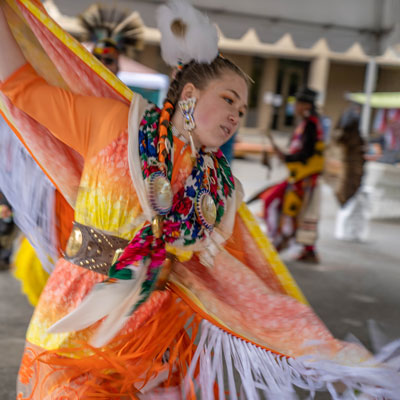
x=308, y=147
x=81, y=122
x=84, y=123
x=11, y=56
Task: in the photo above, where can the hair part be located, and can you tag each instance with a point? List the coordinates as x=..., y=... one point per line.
x=200, y=75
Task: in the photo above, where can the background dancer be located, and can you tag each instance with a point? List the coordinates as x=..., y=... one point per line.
x=291, y=208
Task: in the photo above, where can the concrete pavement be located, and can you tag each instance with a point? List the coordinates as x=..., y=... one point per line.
x=354, y=283
x=15, y=313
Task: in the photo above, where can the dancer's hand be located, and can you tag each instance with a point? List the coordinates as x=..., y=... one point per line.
x=275, y=147
x=11, y=57
x=279, y=152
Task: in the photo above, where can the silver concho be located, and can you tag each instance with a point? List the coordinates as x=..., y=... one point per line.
x=160, y=193
x=205, y=209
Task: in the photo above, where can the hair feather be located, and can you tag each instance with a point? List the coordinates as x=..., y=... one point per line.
x=198, y=41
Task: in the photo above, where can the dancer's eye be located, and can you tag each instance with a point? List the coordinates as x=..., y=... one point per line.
x=228, y=100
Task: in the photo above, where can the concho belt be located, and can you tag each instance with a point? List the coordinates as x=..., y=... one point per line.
x=89, y=248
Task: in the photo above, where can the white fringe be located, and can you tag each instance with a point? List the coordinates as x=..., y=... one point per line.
x=249, y=372
x=30, y=194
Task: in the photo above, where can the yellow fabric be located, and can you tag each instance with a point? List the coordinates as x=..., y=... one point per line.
x=29, y=271
x=377, y=99
x=182, y=255
x=271, y=255
x=36, y=9
x=314, y=165
x=291, y=204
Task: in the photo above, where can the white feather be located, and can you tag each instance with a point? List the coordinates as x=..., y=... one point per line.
x=119, y=316
x=97, y=304
x=103, y=300
x=200, y=43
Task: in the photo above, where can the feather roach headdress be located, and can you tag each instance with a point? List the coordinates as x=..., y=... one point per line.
x=186, y=34
x=120, y=29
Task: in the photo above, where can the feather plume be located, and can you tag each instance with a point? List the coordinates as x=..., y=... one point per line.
x=119, y=316
x=114, y=300
x=125, y=28
x=186, y=34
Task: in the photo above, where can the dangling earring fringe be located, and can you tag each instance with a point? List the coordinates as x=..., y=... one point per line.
x=187, y=110
x=192, y=146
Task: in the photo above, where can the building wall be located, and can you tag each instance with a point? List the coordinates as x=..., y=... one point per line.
x=242, y=61
x=150, y=57
x=342, y=78
x=388, y=79
x=267, y=85
x=245, y=63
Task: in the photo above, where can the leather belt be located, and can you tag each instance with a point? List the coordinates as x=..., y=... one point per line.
x=89, y=248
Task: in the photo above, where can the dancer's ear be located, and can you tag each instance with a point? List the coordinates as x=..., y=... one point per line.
x=188, y=91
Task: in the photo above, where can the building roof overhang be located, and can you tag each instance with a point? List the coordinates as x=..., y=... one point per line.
x=250, y=44
x=285, y=47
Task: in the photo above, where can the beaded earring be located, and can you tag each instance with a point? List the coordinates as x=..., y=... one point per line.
x=187, y=109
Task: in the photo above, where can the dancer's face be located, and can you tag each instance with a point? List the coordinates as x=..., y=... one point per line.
x=302, y=109
x=220, y=107
x=110, y=61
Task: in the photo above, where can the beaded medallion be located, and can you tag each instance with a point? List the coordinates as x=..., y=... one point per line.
x=160, y=193
x=205, y=209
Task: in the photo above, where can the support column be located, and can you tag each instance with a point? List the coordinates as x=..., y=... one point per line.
x=318, y=77
x=267, y=89
x=369, y=87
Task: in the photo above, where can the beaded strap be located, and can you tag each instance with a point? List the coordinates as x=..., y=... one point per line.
x=165, y=118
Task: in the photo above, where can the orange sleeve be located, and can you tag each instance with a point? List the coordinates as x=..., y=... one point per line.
x=85, y=123
x=64, y=220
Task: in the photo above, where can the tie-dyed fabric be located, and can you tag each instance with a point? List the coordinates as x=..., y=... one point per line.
x=76, y=130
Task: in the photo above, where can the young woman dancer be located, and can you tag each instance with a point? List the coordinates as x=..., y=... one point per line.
x=162, y=250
